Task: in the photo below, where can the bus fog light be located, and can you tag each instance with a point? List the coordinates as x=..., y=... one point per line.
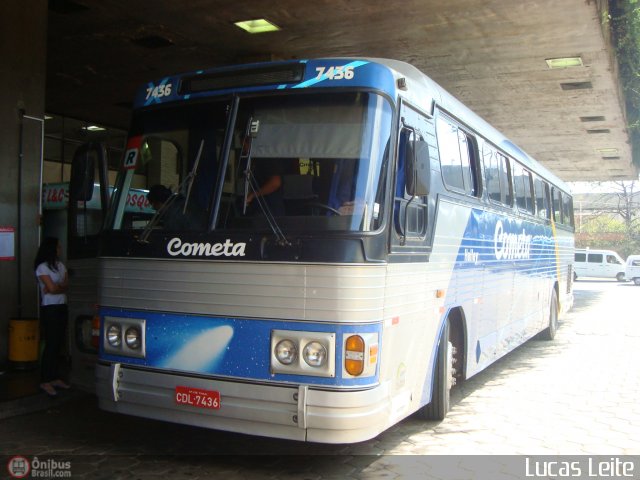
x=133, y=338
x=315, y=354
x=286, y=352
x=114, y=337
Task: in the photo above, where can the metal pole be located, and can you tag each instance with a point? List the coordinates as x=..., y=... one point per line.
x=19, y=222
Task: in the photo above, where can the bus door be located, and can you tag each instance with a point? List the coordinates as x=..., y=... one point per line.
x=410, y=206
x=88, y=201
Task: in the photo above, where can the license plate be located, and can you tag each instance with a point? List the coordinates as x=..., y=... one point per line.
x=197, y=397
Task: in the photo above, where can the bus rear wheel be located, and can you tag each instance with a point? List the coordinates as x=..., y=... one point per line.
x=443, y=379
x=550, y=332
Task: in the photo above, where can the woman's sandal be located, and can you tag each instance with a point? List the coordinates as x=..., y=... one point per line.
x=60, y=384
x=49, y=390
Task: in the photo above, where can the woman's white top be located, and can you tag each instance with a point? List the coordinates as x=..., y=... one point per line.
x=56, y=276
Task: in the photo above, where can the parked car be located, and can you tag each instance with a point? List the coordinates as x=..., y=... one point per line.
x=632, y=272
x=598, y=263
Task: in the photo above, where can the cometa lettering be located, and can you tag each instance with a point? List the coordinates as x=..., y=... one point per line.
x=511, y=246
x=175, y=248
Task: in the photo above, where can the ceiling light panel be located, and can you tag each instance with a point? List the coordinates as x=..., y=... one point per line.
x=564, y=62
x=259, y=25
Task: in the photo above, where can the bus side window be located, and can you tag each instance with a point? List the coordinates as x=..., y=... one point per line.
x=458, y=157
x=542, y=203
x=522, y=180
x=567, y=209
x=498, y=176
x=492, y=170
x=505, y=180
x=557, y=205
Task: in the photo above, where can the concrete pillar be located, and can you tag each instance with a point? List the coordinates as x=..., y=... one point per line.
x=23, y=47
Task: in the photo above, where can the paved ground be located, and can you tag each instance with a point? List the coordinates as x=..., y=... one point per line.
x=579, y=394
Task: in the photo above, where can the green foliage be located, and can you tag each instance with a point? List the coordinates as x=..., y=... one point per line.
x=608, y=232
x=603, y=224
x=625, y=27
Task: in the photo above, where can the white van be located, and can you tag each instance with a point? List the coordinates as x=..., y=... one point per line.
x=598, y=263
x=632, y=272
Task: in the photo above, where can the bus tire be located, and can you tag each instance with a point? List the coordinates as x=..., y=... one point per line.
x=549, y=333
x=439, y=406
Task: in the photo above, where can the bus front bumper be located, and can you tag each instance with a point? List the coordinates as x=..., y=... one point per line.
x=290, y=412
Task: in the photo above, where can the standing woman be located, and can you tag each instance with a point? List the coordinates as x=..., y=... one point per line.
x=53, y=282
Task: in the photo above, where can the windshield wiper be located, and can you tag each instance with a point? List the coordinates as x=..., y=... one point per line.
x=250, y=183
x=192, y=176
x=188, y=180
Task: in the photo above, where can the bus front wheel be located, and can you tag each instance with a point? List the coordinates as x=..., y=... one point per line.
x=443, y=379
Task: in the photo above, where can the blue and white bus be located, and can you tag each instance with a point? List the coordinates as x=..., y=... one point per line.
x=358, y=242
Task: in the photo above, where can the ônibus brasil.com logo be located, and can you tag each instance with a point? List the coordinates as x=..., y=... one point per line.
x=20, y=467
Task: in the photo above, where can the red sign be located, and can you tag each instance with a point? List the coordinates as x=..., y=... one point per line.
x=197, y=397
x=132, y=153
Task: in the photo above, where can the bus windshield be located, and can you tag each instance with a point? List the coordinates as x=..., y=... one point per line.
x=296, y=162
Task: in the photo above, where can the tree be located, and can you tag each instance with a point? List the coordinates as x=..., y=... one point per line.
x=615, y=211
x=625, y=27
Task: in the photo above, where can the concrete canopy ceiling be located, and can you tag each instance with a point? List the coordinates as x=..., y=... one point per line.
x=489, y=53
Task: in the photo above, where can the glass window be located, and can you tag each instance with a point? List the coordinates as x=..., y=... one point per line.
x=557, y=205
x=594, y=258
x=492, y=172
x=330, y=152
x=505, y=180
x=567, y=209
x=315, y=156
x=171, y=162
x=581, y=257
x=458, y=159
x=522, y=182
x=542, y=200
x=611, y=259
x=322, y=157
x=498, y=176
x=450, y=161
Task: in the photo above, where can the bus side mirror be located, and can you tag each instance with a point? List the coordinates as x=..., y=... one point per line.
x=418, y=169
x=83, y=168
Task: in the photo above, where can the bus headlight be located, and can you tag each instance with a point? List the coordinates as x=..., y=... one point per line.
x=286, y=352
x=132, y=337
x=315, y=354
x=114, y=335
x=124, y=337
x=303, y=353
